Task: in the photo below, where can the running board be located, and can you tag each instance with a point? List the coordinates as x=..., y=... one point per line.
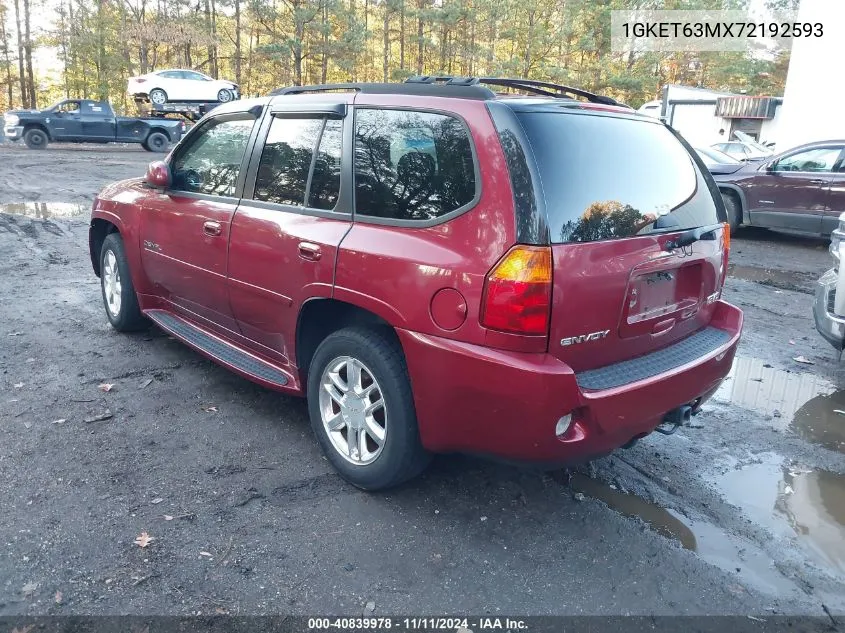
x=218, y=349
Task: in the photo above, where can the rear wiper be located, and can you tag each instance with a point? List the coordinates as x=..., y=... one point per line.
x=693, y=235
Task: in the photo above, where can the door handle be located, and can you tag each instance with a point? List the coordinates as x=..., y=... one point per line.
x=309, y=251
x=212, y=228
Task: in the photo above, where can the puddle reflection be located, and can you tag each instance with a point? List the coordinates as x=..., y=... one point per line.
x=802, y=402
x=809, y=504
x=46, y=210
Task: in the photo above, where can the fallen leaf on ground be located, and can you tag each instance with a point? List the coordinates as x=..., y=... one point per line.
x=220, y=611
x=206, y=554
x=791, y=342
x=58, y=597
x=146, y=383
x=804, y=360
x=15, y=333
x=157, y=500
x=29, y=588
x=28, y=425
x=106, y=386
x=143, y=539
x=167, y=517
x=210, y=409
x=579, y=496
x=105, y=415
x=18, y=385
x=59, y=421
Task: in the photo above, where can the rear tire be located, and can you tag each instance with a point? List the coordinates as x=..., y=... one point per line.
x=225, y=96
x=382, y=376
x=734, y=209
x=35, y=139
x=119, y=296
x=158, y=96
x=156, y=142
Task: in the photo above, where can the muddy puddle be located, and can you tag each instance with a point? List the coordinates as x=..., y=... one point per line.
x=809, y=406
x=789, y=501
x=712, y=544
x=785, y=279
x=47, y=210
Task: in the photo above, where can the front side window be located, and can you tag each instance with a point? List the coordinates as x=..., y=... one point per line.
x=821, y=159
x=411, y=165
x=210, y=164
x=68, y=107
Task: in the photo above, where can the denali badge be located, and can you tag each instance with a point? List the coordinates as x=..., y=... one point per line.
x=152, y=246
x=593, y=336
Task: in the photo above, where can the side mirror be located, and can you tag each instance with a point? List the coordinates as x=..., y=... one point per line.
x=158, y=175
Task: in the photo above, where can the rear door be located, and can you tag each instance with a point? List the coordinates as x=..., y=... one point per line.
x=185, y=229
x=288, y=227
x=836, y=196
x=617, y=188
x=97, y=121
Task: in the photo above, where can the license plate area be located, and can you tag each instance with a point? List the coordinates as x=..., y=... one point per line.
x=658, y=296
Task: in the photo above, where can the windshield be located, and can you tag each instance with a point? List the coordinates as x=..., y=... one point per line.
x=607, y=177
x=709, y=154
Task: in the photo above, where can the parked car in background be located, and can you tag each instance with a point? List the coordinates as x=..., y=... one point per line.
x=744, y=151
x=89, y=121
x=718, y=162
x=436, y=267
x=651, y=108
x=166, y=86
x=802, y=190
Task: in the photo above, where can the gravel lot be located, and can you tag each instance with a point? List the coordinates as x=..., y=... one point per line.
x=743, y=512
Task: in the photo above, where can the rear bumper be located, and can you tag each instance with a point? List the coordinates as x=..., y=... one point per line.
x=13, y=132
x=829, y=325
x=479, y=400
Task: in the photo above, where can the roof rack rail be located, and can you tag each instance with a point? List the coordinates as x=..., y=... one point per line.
x=545, y=88
x=465, y=90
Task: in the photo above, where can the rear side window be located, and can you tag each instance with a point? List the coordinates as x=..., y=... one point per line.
x=610, y=177
x=411, y=165
x=289, y=171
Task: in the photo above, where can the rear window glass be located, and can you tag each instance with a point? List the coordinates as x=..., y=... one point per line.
x=606, y=177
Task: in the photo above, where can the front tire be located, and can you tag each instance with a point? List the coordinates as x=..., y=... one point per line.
x=734, y=210
x=119, y=296
x=35, y=139
x=225, y=96
x=158, y=96
x=362, y=409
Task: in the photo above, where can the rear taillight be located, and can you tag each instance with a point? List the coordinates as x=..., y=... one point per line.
x=518, y=291
x=726, y=249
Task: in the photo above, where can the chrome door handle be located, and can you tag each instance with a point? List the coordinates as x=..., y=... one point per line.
x=310, y=251
x=212, y=228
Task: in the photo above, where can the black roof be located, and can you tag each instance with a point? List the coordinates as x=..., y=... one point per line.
x=458, y=87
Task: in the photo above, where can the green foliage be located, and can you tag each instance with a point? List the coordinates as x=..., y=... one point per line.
x=101, y=43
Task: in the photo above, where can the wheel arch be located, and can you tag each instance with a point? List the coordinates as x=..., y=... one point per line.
x=735, y=190
x=319, y=317
x=37, y=126
x=97, y=233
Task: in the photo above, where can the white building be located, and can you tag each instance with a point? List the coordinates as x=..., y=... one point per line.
x=704, y=117
x=815, y=93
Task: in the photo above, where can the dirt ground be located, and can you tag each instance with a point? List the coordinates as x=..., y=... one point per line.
x=742, y=512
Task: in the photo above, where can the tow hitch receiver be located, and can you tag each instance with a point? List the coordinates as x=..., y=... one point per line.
x=674, y=419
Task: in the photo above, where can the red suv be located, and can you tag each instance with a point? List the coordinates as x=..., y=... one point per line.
x=436, y=266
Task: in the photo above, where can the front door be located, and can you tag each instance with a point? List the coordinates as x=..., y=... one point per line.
x=66, y=121
x=835, y=197
x=185, y=229
x=288, y=227
x=791, y=192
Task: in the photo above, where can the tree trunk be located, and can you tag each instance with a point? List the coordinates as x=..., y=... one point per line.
x=324, y=60
x=386, y=43
x=299, y=34
x=402, y=34
x=491, y=38
x=6, y=61
x=366, y=60
x=21, y=71
x=30, y=79
x=420, y=38
x=526, y=67
x=238, y=42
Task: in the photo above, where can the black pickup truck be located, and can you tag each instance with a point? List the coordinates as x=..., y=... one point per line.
x=88, y=121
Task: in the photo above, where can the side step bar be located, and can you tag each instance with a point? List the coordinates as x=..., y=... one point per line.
x=218, y=349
